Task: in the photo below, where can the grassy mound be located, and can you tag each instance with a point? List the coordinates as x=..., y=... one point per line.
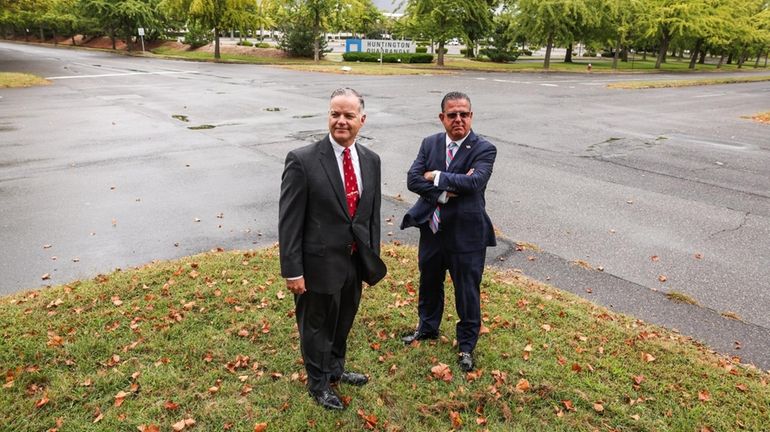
x=210, y=343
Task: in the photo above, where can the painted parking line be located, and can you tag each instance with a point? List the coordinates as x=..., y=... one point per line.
x=119, y=74
x=710, y=95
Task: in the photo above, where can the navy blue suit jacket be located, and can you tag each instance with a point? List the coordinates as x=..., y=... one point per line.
x=465, y=225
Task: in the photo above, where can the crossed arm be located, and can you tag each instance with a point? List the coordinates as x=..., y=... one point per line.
x=420, y=179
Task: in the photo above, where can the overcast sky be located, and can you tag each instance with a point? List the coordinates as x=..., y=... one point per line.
x=386, y=5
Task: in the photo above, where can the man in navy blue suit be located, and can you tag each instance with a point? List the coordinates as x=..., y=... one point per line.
x=450, y=174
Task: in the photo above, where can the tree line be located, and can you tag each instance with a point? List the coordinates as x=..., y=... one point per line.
x=733, y=30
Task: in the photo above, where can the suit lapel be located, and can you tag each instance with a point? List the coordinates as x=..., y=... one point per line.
x=329, y=165
x=366, y=164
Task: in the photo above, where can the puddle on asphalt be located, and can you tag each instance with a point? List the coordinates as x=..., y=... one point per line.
x=272, y=109
x=180, y=117
x=203, y=126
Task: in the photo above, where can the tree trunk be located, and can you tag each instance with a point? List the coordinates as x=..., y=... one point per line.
x=730, y=58
x=568, y=55
x=73, y=40
x=216, y=43
x=129, y=42
x=112, y=38
x=616, y=54
x=766, y=53
x=695, y=52
x=721, y=60
x=440, y=58
x=664, y=40
x=316, y=36
x=55, y=42
x=742, y=57
x=547, y=62
x=702, y=59
x=42, y=35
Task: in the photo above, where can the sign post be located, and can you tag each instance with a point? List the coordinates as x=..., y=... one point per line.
x=141, y=35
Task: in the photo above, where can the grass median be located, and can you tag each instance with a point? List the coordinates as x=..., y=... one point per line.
x=209, y=343
x=17, y=80
x=638, y=85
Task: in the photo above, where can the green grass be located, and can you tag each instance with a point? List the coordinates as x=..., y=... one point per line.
x=213, y=338
x=225, y=57
x=635, y=85
x=16, y=80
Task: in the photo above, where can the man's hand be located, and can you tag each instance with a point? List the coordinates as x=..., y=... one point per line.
x=470, y=171
x=296, y=286
x=429, y=175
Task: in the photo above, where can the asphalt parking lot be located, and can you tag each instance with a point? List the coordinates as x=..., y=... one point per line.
x=125, y=160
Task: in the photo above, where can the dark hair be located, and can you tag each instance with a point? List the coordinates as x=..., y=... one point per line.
x=454, y=96
x=347, y=91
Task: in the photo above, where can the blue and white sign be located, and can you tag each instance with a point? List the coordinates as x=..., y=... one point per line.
x=380, y=46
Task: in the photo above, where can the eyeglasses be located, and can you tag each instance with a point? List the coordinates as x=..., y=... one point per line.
x=462, y=114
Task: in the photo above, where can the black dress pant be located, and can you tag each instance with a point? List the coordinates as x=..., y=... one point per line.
x=466, y=269
x=324, y=322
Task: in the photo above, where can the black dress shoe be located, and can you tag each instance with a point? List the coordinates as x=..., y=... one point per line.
x=465, y=360
x=354, y=378
x=327, y=399
x=418, y=335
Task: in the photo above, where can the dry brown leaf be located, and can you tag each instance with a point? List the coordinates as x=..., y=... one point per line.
x=523, y=385
x=457, y=422
x=149, y=428
x=742, y=387
x=654, y=258
x=120, y=398
x=442, y=372
x=568, y=405
x=546, y=327
x=170, y=405
x=370, y=420
x=704, y=396
x=42, y=402
x=638, y=379
x=662, y=278
x=647, y=357
x=598, y=407
x=260, y=427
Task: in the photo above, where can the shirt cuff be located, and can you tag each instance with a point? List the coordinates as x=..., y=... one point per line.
x=295, y=277
x=436, y=175
x=442, y=199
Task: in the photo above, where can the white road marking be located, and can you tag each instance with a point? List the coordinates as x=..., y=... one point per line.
x=710, y=95
x=549, y=85
x=120, y=74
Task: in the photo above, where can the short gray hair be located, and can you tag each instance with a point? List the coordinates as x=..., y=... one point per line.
x=347, y=91
x=454, y=96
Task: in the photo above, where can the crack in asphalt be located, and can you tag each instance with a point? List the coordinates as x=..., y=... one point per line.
x=726, y=230
x=613, y=162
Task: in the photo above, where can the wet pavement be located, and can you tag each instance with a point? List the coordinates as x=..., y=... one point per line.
x=100, y=170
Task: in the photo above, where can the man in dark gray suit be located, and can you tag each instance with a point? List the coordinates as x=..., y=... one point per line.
x=329, y=236
x=450, y=174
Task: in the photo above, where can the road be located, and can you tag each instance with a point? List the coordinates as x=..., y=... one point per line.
x=97, y=173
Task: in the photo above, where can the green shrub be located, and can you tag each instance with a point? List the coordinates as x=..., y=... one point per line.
x=500, y=56
x=388, y=58
x=262, y=45
x=197, y=36
x=421, y=49
x=245, y=43
x=297, y=38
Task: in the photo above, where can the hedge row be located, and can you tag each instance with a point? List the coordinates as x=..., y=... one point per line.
x=388, y=58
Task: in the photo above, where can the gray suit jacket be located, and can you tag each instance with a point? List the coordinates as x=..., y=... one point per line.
x=315, y=230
